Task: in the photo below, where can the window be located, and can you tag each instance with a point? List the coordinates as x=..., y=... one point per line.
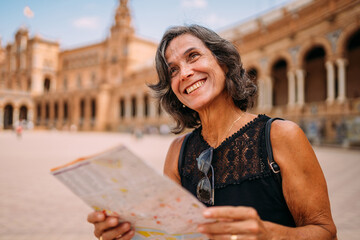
x=46, y=85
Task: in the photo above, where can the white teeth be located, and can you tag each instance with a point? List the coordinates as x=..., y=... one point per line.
x=194, y=86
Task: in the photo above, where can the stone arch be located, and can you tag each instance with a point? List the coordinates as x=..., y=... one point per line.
x=146, y=100
x=279, y=82
x=122, y=106
x=65, y=107
x=344, y=37
x=47, y=84
x=315, y=74
x=38, y=113
x=133, y=107
x=93, y=108
x=8, y=100
x=310, y=44
x=82, y=111
x=8, y=116
x=56, y=110
x=254, y=73
x=281, y=55
x=23, y=113
x=352, y=55
x=24, y=101
x=47, y=112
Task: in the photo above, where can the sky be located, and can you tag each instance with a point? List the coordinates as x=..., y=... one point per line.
x=75, y=23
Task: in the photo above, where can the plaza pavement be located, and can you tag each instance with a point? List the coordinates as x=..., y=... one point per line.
x=35, y=206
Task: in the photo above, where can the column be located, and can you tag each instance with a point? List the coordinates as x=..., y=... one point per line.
x=102, y=107
x=30, y=117
x=75, y=108
x=260, y=102
x=61, y=113
x=52, y=114
x=341, y=64
x=330, y=73
x=16, y=115
x=300, y=77
x=140, y=106
x=152, y=107
x=292, y=88
x=53, y=84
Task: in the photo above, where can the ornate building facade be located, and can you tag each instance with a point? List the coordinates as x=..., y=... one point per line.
x=304, y=57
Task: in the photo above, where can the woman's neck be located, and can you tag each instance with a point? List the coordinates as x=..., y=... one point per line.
x=219, y=121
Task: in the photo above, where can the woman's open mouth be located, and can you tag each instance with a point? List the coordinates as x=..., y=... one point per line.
x=194, y=86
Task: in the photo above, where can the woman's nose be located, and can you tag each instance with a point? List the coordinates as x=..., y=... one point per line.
x=186, y=72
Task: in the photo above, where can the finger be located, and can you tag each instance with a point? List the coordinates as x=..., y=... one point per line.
x=123, y=231
x=229, y=237
x=239, y=227
x=96, y=217
x=109, y=223
x=235, y=213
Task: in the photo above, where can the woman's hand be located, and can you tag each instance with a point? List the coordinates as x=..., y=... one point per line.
x=108, y=228
x=234, y=223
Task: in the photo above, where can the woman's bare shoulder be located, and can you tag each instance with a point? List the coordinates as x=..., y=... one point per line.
x=172, y=158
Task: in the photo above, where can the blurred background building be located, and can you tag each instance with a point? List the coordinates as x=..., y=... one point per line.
x=304, y=57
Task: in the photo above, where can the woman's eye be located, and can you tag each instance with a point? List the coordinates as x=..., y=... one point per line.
x=193, y=55
x=173, y=71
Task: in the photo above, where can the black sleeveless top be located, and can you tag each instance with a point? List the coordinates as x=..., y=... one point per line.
x=242, y=173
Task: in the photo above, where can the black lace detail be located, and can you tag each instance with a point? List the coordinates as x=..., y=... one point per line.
x=240, y=157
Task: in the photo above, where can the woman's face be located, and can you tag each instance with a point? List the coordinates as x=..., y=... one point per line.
x=197, y=79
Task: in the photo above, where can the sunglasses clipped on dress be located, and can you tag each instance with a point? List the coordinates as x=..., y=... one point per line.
x=205, y=189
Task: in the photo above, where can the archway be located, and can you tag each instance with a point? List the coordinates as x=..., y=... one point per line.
x=66, y=114
x=315, y=75
x=353, y=70
x=8, y=116
x=93, y=111
x=133, y=107
x=146, y=106
x=82, y=111
x=46, y=85
x=38, y=114
x=23, y=113
x=56, y=111
x=253, y=75
x=47, y=112
x=280, y=83
x=122, y=108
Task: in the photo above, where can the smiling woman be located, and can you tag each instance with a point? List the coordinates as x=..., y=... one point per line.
x=214, y=56
x=225, y=161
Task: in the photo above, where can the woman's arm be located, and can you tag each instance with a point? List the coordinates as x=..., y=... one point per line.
x=171, y=161
x=304, y=189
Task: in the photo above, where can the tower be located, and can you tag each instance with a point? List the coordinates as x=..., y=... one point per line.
x=117, y=46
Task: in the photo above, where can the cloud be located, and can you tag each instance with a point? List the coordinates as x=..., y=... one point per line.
x=194, y=3
x=215, y=21
x=86, y=23
x=28, y=12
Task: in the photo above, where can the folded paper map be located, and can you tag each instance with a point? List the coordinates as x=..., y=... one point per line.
x=121, y=184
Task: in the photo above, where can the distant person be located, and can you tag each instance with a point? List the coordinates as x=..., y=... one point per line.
x=203, y=85
x=19, y=130
x=73, y=128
